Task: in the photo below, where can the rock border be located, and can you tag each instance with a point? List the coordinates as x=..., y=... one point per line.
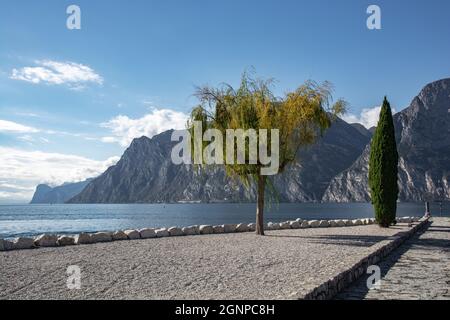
x=330, y=288
x=51, y=240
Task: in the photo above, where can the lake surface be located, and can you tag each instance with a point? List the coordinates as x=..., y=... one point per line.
x=26, y=220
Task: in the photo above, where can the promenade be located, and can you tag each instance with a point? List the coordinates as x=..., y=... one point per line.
x=418, y=269
x=284, y=264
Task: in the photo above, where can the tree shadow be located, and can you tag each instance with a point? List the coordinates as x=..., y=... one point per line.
x=339, y=240
x=358, y=290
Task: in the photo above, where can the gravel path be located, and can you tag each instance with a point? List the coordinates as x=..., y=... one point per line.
x=226, y=266
x=418, y=269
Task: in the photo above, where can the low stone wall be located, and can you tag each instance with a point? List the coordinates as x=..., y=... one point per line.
x=49, y=240
x=330, y=288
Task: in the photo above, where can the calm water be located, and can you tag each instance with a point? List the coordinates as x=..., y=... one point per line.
x=18, y=220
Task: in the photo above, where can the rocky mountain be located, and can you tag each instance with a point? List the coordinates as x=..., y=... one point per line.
x=60, y=194
x=423, y=142
x=367, y=132
x=145, y=173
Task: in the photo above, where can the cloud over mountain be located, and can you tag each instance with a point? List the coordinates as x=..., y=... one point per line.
x=125, y=129
x=22, y=170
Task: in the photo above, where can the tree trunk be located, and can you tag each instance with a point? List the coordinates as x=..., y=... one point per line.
x=260, y=205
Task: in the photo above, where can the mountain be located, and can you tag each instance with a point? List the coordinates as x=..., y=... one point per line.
x=60, y=194
x=423, y=142
x=146, y=174
x=367, y=132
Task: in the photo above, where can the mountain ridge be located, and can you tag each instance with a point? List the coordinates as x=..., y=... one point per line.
x=145, y=173
x=423, y=142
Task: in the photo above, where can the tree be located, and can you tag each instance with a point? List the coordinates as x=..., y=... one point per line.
x=300, y=116
x=383, y=168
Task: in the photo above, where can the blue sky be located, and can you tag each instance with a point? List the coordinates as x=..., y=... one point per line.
x=133, y=66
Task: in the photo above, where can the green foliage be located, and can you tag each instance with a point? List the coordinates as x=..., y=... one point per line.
x=301, y=116
x=383, y=168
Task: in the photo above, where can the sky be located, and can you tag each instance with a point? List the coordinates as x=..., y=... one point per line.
x=71, y=101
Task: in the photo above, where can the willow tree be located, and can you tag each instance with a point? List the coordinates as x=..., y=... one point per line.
x=299, y=118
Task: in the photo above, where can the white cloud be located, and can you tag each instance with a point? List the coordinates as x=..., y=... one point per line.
x=26, y=138
x=368, y=117
x=14, y=127
x=125, y=129
x=75, y=75
x=21, y=171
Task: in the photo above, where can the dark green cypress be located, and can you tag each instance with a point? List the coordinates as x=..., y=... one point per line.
x=383, y=168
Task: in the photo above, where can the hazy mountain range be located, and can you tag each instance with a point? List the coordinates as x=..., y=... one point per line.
x=60, y=194
x=334, y=169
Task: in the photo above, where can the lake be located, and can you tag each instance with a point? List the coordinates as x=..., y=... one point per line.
x=27, y=220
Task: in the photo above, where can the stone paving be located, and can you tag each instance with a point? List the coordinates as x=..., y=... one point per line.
x=418, y=269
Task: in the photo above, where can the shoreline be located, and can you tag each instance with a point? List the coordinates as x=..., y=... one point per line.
x=60, y=240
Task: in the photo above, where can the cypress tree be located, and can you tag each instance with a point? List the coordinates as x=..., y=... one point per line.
x=383, y=168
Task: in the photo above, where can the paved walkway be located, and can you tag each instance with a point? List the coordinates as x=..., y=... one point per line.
x=419, y=269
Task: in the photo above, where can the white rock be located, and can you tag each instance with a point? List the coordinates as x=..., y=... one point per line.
x=206, y=229
x=5, y=245
x=23, y=243
x=285, y=225
x=251, y=226
x=324, y=224
x=175, y=232
x=83, y=238
x=46, y=240
x=161, y=233
x=65, y=241
x=218, y=229
x=101, y=237
x=299, y=220
x=132, y=234
x=273, y=226
x=294, y=224
x=305, y=224
x=333, y=223
x=147, y=233
x=119, y=235
x=242, y=227
x=348, y=223
x=314, y=223
x=340, y=223
x=403, y=219
x=357, y=222
x=191, y=230
x=228, y=228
